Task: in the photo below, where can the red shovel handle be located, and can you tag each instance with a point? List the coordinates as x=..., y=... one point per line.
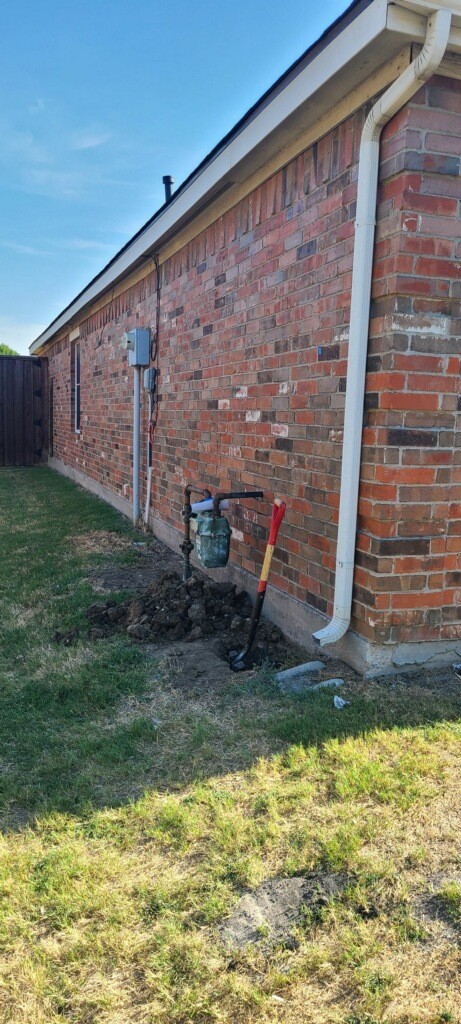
x=278, y=512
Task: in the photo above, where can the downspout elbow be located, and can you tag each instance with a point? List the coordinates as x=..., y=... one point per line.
x=336, y=628
x=340, y=622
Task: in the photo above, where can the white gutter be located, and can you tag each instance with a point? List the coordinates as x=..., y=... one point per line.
x=438, y=29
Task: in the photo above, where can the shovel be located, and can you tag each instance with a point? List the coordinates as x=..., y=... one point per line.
x=237, y=661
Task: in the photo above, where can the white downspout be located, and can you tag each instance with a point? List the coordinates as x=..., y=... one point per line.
x=438, y=28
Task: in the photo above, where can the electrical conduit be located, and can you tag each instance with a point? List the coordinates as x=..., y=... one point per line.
x=438, y=28
x=136, y=440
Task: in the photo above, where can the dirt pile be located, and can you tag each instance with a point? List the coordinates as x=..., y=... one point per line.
x=171, y=609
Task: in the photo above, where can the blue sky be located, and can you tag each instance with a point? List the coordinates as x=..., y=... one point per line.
x=100, y=100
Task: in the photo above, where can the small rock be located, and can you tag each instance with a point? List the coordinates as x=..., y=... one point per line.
x=66, y=639
x=114, y=614
x=222, y=589
x=197, y=611
x=237, y=622
x=96, y=610
x=135, y=612
x=340, y=703
x=195, y=633
x=96, y=634
x=246, y=607
x=328, y=682
x=178, y=633
x=138, y=632
x=163, y=617
x=194, y=585
x=173, y=621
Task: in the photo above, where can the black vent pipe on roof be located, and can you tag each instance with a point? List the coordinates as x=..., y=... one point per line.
x=168, y=181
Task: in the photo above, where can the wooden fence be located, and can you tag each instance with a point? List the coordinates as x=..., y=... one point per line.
x=24, y=411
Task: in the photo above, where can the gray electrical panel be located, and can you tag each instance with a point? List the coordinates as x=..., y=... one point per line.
x=137, y=342
x=150, y=377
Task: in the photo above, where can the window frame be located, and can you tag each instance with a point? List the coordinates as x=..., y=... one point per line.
x=77, y=387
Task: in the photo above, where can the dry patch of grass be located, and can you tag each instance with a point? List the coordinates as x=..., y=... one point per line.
x=16, y=615
x=100, y=542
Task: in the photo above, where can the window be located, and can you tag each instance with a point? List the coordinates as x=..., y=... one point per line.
x=77, y=387
x=75, y=384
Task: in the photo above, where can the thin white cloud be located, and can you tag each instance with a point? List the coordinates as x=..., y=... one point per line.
x=83, y=244
x=23, y=146
x=24, y=250
x=66, y=244
x=58, y=184
x=89, y=139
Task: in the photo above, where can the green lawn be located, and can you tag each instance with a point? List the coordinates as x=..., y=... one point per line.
x=135, y=814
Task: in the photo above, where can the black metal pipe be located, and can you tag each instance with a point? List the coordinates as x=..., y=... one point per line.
x=168, y=182
x=224, y=496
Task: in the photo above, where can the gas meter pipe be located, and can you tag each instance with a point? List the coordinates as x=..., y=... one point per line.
x=219, y=501
x=235, y=495
x=237, y=661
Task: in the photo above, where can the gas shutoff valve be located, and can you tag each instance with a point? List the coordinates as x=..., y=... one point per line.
x=137, y=342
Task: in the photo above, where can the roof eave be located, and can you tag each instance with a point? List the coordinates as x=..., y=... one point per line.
x=344, y=55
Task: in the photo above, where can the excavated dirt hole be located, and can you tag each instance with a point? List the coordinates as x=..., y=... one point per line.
x=172, y=610
x=152, y=560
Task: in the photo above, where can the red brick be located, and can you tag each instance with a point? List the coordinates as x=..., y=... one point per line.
x=255, y=317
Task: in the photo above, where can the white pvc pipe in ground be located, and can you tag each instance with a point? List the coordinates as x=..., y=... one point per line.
x=299, y=670
x=438, y=28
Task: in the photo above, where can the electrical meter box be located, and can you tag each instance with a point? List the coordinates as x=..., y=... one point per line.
x=138, y=345
x=150, y=378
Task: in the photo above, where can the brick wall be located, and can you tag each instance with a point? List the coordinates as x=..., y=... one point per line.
x=409, y=573
x=253, y=354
